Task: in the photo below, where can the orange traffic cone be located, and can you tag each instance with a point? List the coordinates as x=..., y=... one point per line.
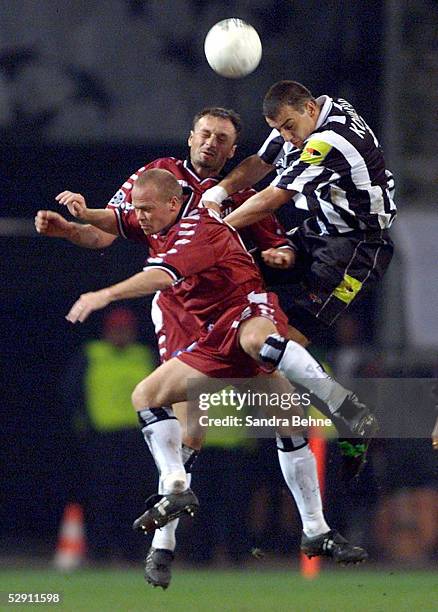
x=71, y=547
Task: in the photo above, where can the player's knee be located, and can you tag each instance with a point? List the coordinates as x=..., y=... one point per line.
x=252, y=341
x=142, y=396
x=136, y=398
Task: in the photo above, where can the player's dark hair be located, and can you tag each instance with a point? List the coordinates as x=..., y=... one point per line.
x=222, y=113
x=285, y=92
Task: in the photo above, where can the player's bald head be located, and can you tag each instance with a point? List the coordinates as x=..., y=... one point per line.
x=161, y=181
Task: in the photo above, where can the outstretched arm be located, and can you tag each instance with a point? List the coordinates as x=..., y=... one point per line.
x=246, y=174
x=249, y=172
x=259, y=206
x=143, y=283
x=52, y=224
x=102, y=218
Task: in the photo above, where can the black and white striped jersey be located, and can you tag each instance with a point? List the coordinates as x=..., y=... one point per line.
x=340, y=171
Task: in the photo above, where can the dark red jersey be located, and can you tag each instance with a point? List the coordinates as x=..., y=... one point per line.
x=210, y=267
x=175, y=327
x=264, y=235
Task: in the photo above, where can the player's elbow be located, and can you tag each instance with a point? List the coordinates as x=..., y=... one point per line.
x=90, y=237
x=274, y=198
x=155, y=279
x=104, y=240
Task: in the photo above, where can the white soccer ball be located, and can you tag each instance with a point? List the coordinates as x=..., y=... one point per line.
x=233, y=48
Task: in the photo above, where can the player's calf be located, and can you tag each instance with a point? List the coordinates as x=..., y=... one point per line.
x=162, y=433
x=298, y=365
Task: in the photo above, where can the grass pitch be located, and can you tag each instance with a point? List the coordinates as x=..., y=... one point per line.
x=214, y=590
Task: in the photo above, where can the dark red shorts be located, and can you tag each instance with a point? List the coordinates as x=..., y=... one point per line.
x=175, y=328
x=218, y=353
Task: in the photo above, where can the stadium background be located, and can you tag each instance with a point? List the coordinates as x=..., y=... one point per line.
x=89, y=92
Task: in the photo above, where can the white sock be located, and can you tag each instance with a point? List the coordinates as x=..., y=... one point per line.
x=164, y=439
x=165, y=537
x=299, y=472
x=299, y=366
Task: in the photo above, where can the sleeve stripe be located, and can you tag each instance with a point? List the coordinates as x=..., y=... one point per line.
x=309, y=173
x=119, y=222
x=171, y=271
x=352, y=156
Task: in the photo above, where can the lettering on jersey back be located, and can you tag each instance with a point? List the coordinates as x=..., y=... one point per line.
x=358, y=125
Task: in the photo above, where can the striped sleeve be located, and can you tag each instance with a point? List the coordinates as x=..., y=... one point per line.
x=272, y=149
x=122, y=197
x=301, y=177
x=325, y=157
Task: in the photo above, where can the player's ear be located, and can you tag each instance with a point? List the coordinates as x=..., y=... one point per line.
x=311, y=107
x=189, y=140
x=232, y=152
x=175, y=203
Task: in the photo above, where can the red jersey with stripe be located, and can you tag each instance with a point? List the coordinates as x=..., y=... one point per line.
x=265, y=234
x=209, y=265
x=175, y=327
x=217, y=281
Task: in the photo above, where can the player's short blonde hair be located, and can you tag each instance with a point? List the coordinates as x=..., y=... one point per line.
x=164, y=182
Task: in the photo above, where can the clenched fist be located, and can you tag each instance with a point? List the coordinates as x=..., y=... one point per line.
x=52, y=224
x=279, y=258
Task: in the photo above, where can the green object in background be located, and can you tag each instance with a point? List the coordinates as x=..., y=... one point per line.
x=111, y=376
x=348, y=449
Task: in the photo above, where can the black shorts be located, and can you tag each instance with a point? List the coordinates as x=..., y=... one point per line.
x=330, y=272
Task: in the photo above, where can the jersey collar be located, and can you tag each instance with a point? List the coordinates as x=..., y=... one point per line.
x=325, y=103
x=188, y=166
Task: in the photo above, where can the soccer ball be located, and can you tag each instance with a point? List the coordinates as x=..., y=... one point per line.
x=233, y=48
